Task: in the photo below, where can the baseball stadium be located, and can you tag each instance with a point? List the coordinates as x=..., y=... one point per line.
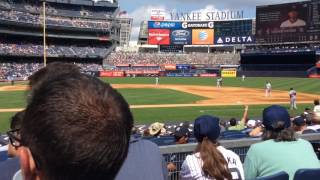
x=182, y=70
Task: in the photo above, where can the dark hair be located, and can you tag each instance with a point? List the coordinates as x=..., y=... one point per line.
x=77, y=127
x=51, y=71
x=280, y=133
x=16, y=120
x=233, y=122
x=214, y=164
x=316, y=102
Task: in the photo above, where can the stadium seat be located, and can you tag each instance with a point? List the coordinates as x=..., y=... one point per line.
x=3, y=155
x=233, y=135
x=307, y=174
x=164, y=141
x=278, y=176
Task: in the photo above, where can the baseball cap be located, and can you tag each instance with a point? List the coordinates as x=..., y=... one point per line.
x=206, y=126
x=299, y=121
x=155, y=128
x=251, y=123
x=274, y=114
x=181, y=131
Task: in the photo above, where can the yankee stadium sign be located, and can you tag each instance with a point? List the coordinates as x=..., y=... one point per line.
x=208, y=16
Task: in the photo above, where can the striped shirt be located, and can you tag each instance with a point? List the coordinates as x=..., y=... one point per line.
x=192, y=167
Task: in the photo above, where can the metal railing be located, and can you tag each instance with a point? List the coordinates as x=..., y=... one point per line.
x=176, y=154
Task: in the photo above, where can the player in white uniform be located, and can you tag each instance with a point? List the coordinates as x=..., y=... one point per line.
x=157, y=80
x=268, y=89
x=219, y=82
x=243, y=78
x=293, y=99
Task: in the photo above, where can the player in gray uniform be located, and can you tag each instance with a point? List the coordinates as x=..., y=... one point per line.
x=268, y=89
x=219, y=82
x=293, y=99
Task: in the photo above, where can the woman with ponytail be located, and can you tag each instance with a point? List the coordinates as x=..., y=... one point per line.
x=210, y=160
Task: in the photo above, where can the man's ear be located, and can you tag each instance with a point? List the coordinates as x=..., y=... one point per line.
x=27, y=164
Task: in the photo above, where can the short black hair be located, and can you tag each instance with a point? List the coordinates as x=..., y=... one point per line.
x=77, y=127
x=16, y=120
x=316, y=102
x=233, y=122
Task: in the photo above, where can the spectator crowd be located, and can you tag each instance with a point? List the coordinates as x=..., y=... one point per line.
x=21, y=71
x=52, y=50
x=167, y=58
x=25, y=17
x=62, y=136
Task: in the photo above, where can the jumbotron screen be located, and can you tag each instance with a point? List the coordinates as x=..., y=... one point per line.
x=291, y=22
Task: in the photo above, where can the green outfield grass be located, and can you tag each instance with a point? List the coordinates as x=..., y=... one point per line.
x=178, y=114
x=300, y=84
x=17, y=99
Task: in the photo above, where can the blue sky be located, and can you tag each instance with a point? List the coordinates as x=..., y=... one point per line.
x=140, y=10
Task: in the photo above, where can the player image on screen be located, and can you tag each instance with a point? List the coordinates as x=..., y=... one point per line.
x=293, y=19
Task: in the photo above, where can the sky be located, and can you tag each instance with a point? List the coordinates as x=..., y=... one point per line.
x=140, y=10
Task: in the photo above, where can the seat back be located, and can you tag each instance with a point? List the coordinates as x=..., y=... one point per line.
x=278, y=176
x=3, y=155
x=233, y=135
x=307, y=174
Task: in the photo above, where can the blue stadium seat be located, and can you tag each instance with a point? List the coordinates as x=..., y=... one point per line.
x=3, y=155
x=307, y=174
x=233, y=135
x=278, y=176
x=164, y=141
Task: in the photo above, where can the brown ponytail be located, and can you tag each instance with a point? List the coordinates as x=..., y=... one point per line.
x=214, y=164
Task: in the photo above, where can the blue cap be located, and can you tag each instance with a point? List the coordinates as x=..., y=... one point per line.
x=299, y=121
x=274, y=114
x=206, y=126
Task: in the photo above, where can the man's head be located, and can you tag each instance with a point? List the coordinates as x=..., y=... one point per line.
x=182, y=135
x=293, y=14
x=291, y=89
x=233, y=122
x=299, y=123
x=75, y=127
x=316, y=102
x=14, y=133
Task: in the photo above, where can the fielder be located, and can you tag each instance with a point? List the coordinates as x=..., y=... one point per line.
x=268, y=89
x=219, y=82
x=157, y=80
x=293, y=99
x=243, y=78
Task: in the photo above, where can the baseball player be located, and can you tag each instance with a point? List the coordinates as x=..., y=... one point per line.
x=243, y=78
x=219, y=82
x=157, y=80
x=293, y=99
x=268, y=89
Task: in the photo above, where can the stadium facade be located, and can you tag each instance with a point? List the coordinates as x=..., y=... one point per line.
x=125, y=30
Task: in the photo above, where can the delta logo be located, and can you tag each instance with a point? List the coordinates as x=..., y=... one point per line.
x=235, y=40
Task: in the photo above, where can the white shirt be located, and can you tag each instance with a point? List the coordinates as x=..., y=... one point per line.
x=268, y=86
x=314, y=127
x=289, y=24
x=316, y=109
x=292, y=94
x=192, y=167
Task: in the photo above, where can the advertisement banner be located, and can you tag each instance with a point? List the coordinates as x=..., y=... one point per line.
x=202, y=36
x=181, y=37
x=164, y=25
x=171, y=67
x=159, y=37
x=111, y=74
x=198, y=25
x=158, y=14
x=208, y=75
x=183, y=66
x=228, y=73
x=234, y=40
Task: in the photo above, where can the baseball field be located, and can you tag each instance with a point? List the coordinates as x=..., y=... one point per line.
x=181, y=99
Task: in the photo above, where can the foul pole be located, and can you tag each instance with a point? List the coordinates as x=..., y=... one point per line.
x=44, y=34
